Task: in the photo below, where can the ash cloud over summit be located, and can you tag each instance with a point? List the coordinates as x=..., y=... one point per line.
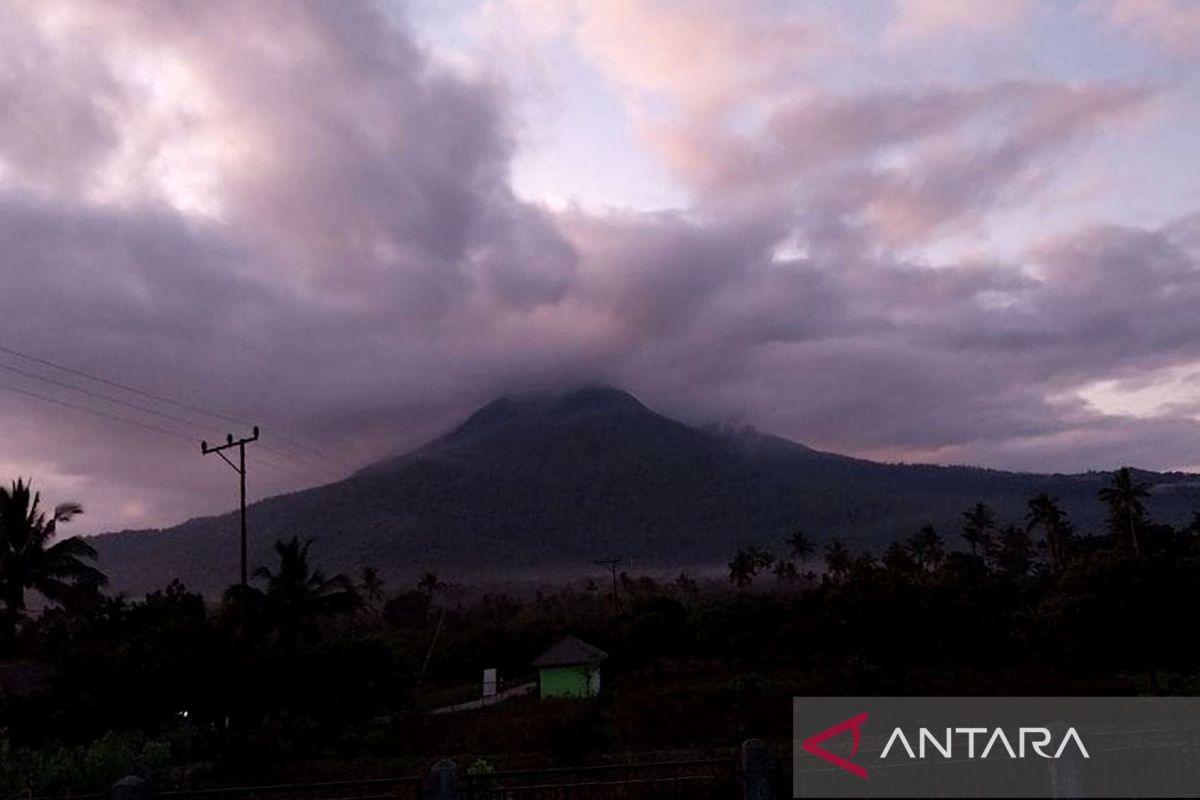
x=353, y=223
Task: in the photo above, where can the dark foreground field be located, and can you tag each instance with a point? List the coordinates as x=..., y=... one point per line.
x=325, y=679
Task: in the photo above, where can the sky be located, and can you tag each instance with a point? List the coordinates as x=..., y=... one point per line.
x=908, y=230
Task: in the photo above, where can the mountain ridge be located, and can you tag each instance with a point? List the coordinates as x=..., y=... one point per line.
x=548, y=481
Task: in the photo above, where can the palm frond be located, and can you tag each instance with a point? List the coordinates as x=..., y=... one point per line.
x=64, y=511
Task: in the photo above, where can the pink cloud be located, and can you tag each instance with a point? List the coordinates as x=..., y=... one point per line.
x=706, y=56
x=368, y=274
x=920, y=19
x=905, y=163
x=1175, y=23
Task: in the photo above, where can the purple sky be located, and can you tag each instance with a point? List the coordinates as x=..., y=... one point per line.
x=918, y=230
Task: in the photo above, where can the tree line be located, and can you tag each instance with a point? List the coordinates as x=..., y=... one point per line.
x=304, y=666
x=1045, y=539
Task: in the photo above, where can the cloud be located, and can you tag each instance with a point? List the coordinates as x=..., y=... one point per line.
x=58, y=124
x=1174, y=23
x=902, y=163
x=734, y=99
x=701, y=57
x=358, y=224
x=916, y=20
x=293, y=213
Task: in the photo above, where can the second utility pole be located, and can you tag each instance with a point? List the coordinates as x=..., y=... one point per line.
x=611, y=562
x=240, y=469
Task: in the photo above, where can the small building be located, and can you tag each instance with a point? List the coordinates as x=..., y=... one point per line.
x=570, y=668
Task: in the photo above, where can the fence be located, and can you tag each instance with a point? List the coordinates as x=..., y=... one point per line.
x=377, y=789
x=753, y=775
x=702, y=780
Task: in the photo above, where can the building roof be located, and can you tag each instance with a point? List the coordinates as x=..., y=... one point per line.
x=569, y=652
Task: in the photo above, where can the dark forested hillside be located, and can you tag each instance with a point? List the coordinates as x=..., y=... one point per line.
x=550, y=482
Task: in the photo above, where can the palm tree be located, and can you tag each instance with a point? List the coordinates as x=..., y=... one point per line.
x=298, y=596
x=898, y=559
x=686, y=584
x=1126, y=514
x=978, y=523
x=1045, y=513
x=927, y=548
x=741, y=571
x=837, y=558
x=1012, y=554
x=746, y=564
x=786, y=571
x=862, y=567
x=429, y=585
x=801, y=546
x=370, y=586
x=28, y=560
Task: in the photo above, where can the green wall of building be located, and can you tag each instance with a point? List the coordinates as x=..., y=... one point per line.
x=565, y=681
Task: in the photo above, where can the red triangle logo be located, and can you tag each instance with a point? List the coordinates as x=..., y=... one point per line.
x=813, y=744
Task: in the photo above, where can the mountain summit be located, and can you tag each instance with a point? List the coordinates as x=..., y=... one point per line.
x=584, y=401
x=546, y=483
x=509, y=414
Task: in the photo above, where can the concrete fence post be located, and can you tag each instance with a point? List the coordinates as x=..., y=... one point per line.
x=757, y=771
x=131, y=787
x=1066, y=772
x=444, y=783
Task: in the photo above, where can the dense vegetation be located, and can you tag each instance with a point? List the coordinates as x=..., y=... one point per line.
x=306, y=675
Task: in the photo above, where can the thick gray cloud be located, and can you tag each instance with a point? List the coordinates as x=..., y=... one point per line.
x=287, y=212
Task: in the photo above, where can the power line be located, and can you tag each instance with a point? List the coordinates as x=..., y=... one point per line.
x=162, y=399
x=98, y=413
x=302, y=446
x=147, y=410
x=102, y=396
x=118, y=385
x=307, y=472
x=307, y=465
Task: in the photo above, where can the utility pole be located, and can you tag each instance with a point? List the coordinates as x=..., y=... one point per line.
x=240, y=469
x=611, y=562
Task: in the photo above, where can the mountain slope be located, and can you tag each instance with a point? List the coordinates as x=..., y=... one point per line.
x=533, y=484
